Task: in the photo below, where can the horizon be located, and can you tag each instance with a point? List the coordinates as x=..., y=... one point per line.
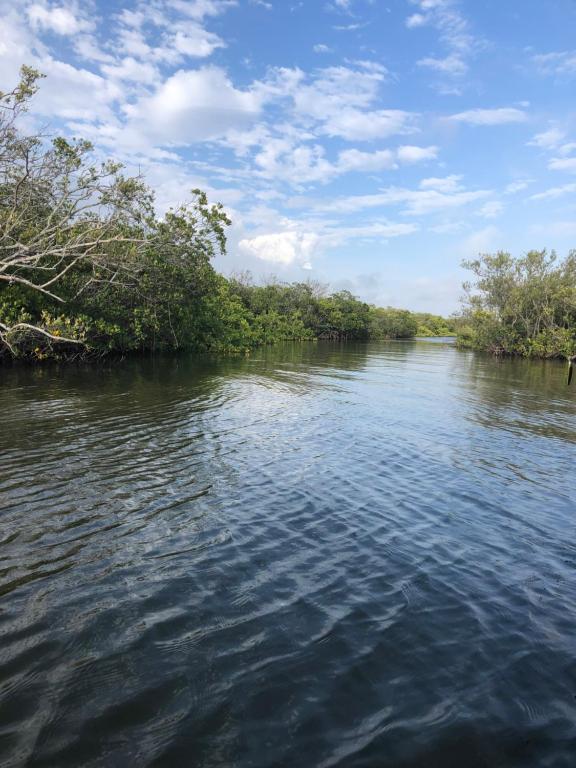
x=368, y=145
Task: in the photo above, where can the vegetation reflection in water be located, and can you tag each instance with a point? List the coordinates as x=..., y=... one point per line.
x=320, y=554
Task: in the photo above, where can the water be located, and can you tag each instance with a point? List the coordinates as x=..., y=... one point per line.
x=319, y=555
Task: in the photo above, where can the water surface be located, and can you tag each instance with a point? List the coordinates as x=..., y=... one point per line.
x=319, y=555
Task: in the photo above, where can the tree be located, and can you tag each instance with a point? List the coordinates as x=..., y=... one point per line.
x=58, y=213
x=79, y=235
x=524, y=305
x=391, y=323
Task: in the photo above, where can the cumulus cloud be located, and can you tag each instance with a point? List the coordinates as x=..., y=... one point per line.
x=300, y=244
x=355, y=125
x=282, y=247
x=57, y=18
x=339, y=101
x=194, y=105
x=137, y=83
x=131, y=70
x=355, y=160
x=194, y=41
x=291, y=161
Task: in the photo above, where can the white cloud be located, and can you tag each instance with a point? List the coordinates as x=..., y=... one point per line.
x=194, y=105
x=445, y=184
x=355, y=125
x=132, y=70
x=413, y=202
x=194, y=41
x=454, y=32
x=334, y=87
x=58, y=19
x=491, y=209
x=500, y=116
x=556, y=63
x=336, y=235
x=74, y=93
x=283, y=248
x=416, y=20
x=199, y=9
x=354, y=160
x=547, y=139
x=140, y=93
x=554, y=192
x=449, y=65
x=516, y=186
x=299, y=244
x=282, y=160
x=563, y=164
x=412, y=154
x=290, y=160
x=339, y=101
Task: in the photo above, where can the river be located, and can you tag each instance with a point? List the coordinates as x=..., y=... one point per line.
x=317, y=555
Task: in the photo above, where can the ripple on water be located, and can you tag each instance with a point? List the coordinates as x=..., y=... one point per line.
x=324, y=555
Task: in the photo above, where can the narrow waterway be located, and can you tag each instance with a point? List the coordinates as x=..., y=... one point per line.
x=318, y=555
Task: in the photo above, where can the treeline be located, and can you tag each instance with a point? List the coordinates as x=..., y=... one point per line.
x=86, y=265
x=307, y=311
x=436, y=325
x=521, y=306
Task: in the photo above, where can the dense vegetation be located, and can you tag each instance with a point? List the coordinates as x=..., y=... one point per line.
x=87, y=267
x=521, y=306
x=435, y=325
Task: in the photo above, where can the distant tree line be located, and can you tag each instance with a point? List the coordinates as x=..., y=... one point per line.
x=435, y=325
x=521, y=306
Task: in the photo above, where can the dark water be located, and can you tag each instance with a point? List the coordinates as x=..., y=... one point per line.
x=316, y=556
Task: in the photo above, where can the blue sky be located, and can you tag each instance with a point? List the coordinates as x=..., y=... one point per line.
x=370, y=144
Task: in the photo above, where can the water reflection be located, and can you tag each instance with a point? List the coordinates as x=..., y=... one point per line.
x=319, y=554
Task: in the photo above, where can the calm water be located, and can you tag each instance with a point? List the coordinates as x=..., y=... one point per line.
x=316, y=556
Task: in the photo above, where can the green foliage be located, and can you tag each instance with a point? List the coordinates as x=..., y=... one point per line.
x=521, y=306
x=87, y=267
x=393, y=323
x=435, y=325
x=303, y=311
